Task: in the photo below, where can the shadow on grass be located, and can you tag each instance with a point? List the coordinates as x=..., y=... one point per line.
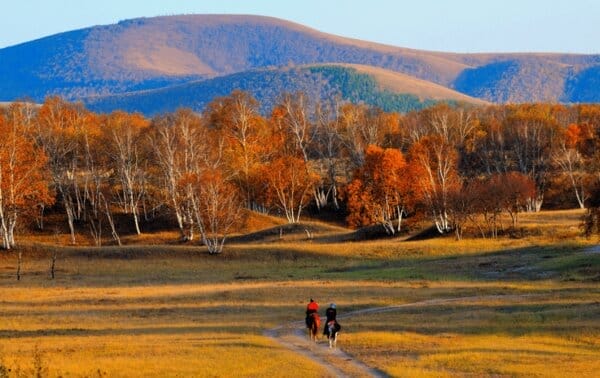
x=139, y=331
x=520, y=264
x=145, y=265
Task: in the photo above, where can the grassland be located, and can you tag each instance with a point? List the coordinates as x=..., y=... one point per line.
x=527, y=306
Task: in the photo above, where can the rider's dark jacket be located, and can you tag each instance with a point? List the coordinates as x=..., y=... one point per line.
x=330, y=313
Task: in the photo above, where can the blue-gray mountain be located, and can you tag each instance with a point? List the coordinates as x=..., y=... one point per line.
x=206, y=52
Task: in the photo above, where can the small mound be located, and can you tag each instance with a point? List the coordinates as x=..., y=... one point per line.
x=254, y=222
x=288, y=232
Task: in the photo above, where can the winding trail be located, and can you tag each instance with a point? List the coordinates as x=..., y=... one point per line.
x=336, y=362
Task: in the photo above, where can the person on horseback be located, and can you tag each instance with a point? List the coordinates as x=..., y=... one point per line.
x=331, y=314
x=311, y=308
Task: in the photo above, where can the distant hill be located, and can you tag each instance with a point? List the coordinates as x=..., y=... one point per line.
x=388, y=90
x=152, y=53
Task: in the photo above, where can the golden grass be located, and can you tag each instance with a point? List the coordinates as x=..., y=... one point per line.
x=214, y=329
x=185, y=353
x=170, y=310
x=544, y=334
x=408, y=354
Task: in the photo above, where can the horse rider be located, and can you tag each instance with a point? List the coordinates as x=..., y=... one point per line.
x=311, y=308
x=331, y=314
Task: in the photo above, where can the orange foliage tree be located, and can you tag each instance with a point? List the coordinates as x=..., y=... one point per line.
x=194, y=181
x=59, y=127
x=437, y=160
x=23, y=183
x=248, y=141
x=215, y=204
x=127, y=160
x=572, y=163
x=288, y=185
x=382, y=190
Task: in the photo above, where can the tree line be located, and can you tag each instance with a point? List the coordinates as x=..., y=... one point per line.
x=455, y=164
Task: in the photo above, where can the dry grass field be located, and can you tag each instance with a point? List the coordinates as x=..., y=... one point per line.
x=521, y=306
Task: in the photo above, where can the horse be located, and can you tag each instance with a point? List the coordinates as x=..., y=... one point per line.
x=332, y=330
x=314, y=323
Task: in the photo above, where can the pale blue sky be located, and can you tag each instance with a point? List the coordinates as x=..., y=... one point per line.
x=450, y=25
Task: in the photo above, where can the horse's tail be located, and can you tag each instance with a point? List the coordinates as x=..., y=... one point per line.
x=316, y=319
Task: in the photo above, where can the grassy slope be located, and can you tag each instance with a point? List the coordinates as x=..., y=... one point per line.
x=388, y=90
x=401, y=83
x=167, y=310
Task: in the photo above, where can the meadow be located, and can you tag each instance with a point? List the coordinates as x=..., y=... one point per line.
x=527, y=305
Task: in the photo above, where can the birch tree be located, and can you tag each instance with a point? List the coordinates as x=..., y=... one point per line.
x=248, y=141
x=288, y=186
x=438, y=161
x=58, y=129
x=123, y=137
x=23, y=182
x=180, y=142
x=571, y=163
x=530, y=130
x=215, y=205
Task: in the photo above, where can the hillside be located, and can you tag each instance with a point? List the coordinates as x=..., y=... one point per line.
x=151, y=53
x=388, y=90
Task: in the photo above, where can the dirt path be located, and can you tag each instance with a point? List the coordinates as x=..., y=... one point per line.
x=336, y=362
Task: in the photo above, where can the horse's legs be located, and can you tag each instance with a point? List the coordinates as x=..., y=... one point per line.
x=332, y=339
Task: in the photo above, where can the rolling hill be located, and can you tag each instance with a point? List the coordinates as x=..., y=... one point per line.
x=162, y=52
x=388, y=90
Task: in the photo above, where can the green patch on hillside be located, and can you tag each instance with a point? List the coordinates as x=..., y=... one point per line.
x=358, y=87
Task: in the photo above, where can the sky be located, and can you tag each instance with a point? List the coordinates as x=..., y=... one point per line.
x=440, y=25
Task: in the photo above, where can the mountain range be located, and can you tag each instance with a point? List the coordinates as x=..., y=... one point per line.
x=157, y=64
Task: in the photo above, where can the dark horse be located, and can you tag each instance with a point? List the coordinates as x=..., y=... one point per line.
x=313, y=324
x=331, y=330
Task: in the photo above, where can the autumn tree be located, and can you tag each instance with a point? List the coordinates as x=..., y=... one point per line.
x=58, y=129
x=180, y=143
x=23, y=182
x=248, y=141
x=127, y=161
x=327, y=147
x=198, y=186
x=502, y=192
x=453, y=124
x=531, y=130
x=215, y=204
x=381, y=191
x=591, y=219
x=361, y=126
x=571, y=162
x=487, y=151
x=514, y=191
x=292, y=117
x=437, y=159
x=465, y=205
x=288, y=185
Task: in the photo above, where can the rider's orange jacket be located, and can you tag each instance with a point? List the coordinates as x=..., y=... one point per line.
x=312, y=307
